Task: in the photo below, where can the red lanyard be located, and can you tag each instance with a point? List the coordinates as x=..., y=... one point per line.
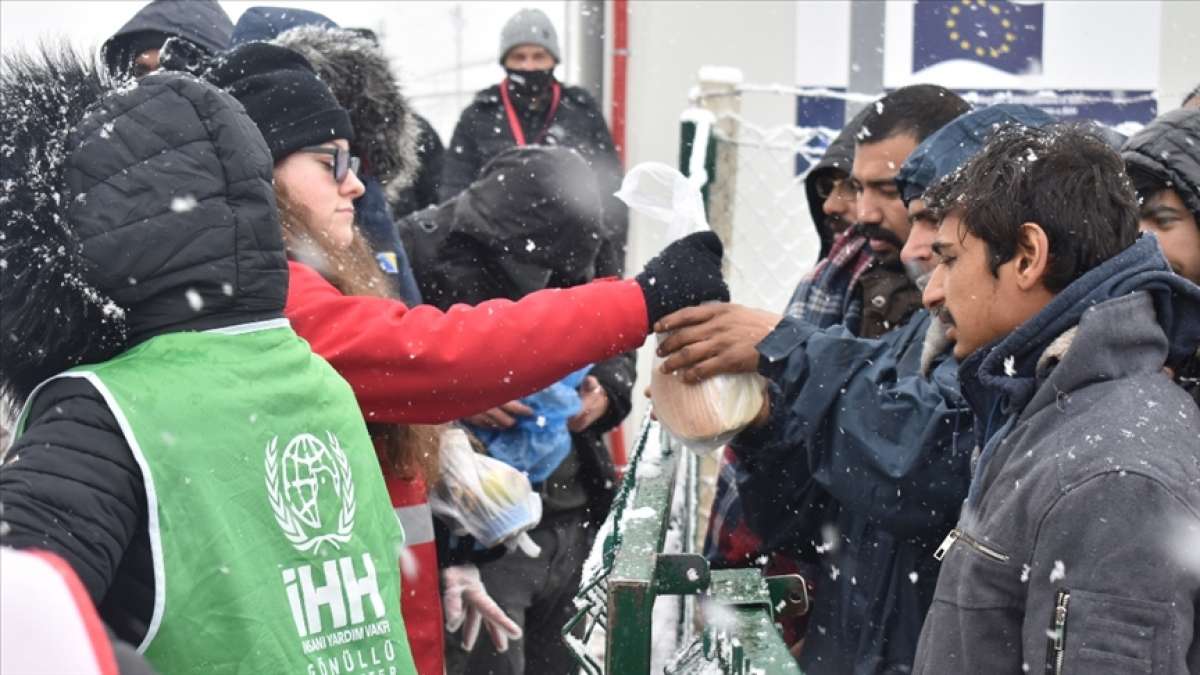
x=514, y=124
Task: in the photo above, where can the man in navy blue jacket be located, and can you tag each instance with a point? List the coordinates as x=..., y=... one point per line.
x=878, y=425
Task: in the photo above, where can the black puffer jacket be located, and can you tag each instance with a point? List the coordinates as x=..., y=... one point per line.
x=483, y=133
x=531, y=221
x=159, y=208
x=201, y=22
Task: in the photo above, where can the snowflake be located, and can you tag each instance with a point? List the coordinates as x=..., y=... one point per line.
x=1059, y=572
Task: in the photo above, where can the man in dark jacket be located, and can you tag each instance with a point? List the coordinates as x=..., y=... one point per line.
x=134, y=49
x=877, y=426
x=1075, y=551
x=1163, y=160
x=530, y=107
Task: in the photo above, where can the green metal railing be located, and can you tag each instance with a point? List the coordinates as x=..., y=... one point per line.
x=628, y=570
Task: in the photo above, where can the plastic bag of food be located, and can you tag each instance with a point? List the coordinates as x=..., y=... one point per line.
x=706, y=415
x=484, y=497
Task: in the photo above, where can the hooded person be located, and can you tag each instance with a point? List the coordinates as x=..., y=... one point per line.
x=388, y=133
x=1075, y=548
x=201, y=470
x=134, y=49
x=531, y=107
x=827, y=187
x=530, y=221
x=533, y=221
x=878, y=429
x=1163, y=161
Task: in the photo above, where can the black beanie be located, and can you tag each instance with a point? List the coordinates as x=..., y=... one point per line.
x=282, y=94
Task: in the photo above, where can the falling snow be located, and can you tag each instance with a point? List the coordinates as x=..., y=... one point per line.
x=183, y=204
x=194, y=300
x=1059, y=572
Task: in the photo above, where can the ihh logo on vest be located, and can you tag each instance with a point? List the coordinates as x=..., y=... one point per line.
x=311, y=492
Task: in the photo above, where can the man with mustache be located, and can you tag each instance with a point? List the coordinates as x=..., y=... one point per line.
x=877, y=425
x=1075, y=550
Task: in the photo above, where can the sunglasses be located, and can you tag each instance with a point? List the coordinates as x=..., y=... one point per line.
x=343, y=161
x=828, y=183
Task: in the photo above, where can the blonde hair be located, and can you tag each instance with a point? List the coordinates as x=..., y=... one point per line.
x=404, y=450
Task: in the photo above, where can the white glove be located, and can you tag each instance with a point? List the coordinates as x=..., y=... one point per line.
x=467, y=605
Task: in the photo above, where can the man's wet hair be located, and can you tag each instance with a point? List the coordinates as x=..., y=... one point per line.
x=918, y=110
x=1062, y=177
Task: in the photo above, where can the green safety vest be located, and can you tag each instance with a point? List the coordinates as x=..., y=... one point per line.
x=274, y=545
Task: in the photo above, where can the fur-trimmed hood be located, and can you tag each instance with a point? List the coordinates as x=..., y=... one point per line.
x=129, y=211
x=52, y=317
x=355, y=68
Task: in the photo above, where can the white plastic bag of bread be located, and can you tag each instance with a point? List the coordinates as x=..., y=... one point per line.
x=706, y=415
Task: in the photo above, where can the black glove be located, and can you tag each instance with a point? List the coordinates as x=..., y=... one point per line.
x=685, y=273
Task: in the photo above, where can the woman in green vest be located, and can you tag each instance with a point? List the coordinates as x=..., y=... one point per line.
x=207, y=476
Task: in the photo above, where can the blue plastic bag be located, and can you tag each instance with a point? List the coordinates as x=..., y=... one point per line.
x=537, y=444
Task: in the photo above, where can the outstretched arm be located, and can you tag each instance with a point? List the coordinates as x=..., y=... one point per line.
x=422, y=365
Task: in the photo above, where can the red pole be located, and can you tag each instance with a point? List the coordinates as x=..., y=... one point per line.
x=619, y=64
x=616, y=439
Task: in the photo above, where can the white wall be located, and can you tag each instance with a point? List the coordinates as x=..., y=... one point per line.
x=1179, y=53
x=669, y=41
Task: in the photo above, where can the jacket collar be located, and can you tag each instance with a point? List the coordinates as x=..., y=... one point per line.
x=1000, y=380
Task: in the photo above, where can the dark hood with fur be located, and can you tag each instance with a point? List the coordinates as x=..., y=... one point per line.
x=355, y=68
x=128, y=212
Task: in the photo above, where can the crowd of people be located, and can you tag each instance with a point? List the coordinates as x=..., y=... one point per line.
x=980, y=446
x=254, y=310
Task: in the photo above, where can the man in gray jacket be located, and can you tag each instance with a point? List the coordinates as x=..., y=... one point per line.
x=1076, y=548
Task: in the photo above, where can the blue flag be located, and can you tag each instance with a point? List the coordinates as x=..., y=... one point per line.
x=1002, y=34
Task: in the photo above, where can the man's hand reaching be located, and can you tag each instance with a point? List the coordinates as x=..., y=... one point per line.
x=713, y=339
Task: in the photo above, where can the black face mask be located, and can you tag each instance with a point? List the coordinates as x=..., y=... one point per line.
x=530, y=86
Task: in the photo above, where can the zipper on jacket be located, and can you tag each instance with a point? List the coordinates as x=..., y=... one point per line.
x=956, y=535
x=1058, y=634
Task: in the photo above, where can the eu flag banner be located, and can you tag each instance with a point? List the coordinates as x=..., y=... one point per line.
x=999, y=33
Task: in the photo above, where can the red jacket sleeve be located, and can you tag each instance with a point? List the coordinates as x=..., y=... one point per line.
x=425, y=366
